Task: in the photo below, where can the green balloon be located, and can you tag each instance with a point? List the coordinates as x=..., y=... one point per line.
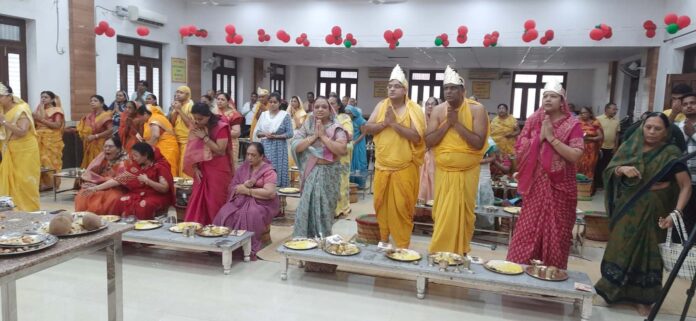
x=494, y=44
x=397, y=43
x=672, y=28
x=438, y=41
x=347, y=43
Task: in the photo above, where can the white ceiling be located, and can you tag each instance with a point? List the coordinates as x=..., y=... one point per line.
x=436, y=58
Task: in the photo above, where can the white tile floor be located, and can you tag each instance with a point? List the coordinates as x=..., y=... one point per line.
x=169, y=285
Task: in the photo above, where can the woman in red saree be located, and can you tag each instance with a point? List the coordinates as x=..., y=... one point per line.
x=548, y=148
x=593, y=137
x=128, y=127
x=207, y=160
x=148, y=181
x=253, y=201
x=229, y=114
x=110, y=163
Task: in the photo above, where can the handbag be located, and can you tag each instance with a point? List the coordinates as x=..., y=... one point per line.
x=670, y=251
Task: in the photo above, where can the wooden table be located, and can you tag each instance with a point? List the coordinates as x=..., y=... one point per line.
x=75, y=173
x=13, y=268
x=225, y=245
x=283, y=198
x=370, y=258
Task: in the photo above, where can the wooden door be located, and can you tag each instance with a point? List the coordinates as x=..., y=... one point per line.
x=674, y=79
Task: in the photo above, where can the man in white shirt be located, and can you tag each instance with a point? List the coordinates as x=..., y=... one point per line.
x=247, y=112
x=141, y=93
x=688, y=128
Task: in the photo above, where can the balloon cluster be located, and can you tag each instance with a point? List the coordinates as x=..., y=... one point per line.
x=675, y=23
x=601, y=31
x=530, y=32
x=461, y=34
x=548, y=36
x=392, y=37
x=491, y=39
x=232, y=36
x=191, y=30
x=650, y=28
x=103, y=28
x=263, y=36
x=302, y=40
x=442, y=40
x=283, y=36
x=350, y=40
x=334, y=38
x=142, y=31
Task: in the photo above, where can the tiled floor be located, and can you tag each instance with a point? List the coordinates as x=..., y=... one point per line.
x=162, y=284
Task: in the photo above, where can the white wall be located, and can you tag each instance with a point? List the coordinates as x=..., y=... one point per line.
x=46, y=68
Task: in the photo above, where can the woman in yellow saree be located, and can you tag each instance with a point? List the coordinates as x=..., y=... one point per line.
x=504, y=130
x=343, y=206
x=159, y=132
x=20, y=168
x=50, y=121
x=94, y=128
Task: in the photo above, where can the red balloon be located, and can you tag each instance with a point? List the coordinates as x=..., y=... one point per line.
x=261, y=32
x=303, y=35
x=349, y=36
x=388, y=35
x=230, y=29
x=486, y=42
x=531, y=34
x=280, y=34
x=183, y=31
x=494, y=39
x=238, y=39
x=110, y=32
x=192, y=29
x=444, y=36
x=299, y=40
x=445, y=42
x=608, y=34
x=267, y=37
x=462, y=30
x=398, y=33
x=392, y=46
x=103, y=25
x=596, y=34
x=353, y=41
x=529, y=24
x=543, y=40
x=683, y=22
x=336, y=31
x=229, y=39
x=461, y=39
x=262, y=38
x=605, y=28
x=671, y=18
x=495, y=34
x=98, y=31
x=649, y=24
x=329, y=39
x=549, y=35
x=527, y=37
x=650, y=33
x=487, y=36
x=338, y=41
x=204, y=33
x=305, y=43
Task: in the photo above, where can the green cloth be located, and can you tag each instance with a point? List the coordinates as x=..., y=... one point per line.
x=632, y=266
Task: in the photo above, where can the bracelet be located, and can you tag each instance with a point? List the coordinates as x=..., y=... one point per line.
x=678, y=212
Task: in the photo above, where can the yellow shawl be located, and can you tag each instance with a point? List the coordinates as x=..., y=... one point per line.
x=415, y=114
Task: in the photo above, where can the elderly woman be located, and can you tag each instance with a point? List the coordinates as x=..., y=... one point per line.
x=20, y=168
x=94, y=128
x=110, y=163
x=593, y=137
x=207, y=160
x=159, y=132
x=317, y=148
x=548, y=148
x=148, y=183
x=252, y=201
x=50, y=121
x=343, y=206
x=644, y=182
x=130, y=126
x=274, y=128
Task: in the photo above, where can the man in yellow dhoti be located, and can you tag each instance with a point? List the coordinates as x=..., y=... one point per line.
x=504, y=130
x=398, y=126
x=20, y=169
x=259, y=108
x=182, y=120
x=458, y=133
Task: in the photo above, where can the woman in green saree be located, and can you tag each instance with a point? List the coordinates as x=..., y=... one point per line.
x=644, y=183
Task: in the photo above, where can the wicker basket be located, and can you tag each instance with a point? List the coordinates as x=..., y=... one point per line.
x=585, y=190
x=597, y=228
x=353, y=192
x=368, y=229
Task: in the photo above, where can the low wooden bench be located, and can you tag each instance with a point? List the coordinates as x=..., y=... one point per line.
x=225, y=245
x=370, y=258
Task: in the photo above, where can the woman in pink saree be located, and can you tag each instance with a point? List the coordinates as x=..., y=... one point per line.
x=207, y=160
x=253, y=201
x=548, y=148
x=110, y=163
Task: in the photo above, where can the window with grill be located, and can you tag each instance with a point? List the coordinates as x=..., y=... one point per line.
x=139, y=60
x=343, y=82
x=424, y=84
x=278, y=79
x=526, y=90
x=13, y=50
x=225, y=75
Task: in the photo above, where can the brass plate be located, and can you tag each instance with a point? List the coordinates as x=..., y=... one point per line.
x=543, y=272
x=144, y=225
x=21, y=239
x=213, y=231
x=343, y=249
x=49, y=241
x=503, y=267
x=301, y=244
x=180, y=227
x=452, y=258
x=403, y=255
